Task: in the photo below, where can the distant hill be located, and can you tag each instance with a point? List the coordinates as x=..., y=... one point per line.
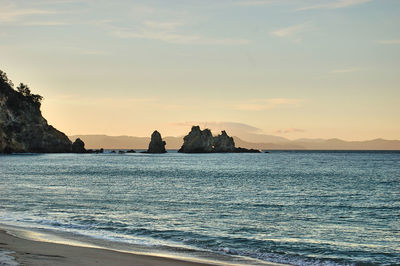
x=324, y=144
x=130, y=142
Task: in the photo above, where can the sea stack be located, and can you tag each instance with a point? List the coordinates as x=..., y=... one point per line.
x=198, y=141
x=78, y=146
x=202, y=141
x=224, y=143
x=22, y=126
x=156, y=145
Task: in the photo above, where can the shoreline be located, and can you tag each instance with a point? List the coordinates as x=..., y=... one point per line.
x=29, y=250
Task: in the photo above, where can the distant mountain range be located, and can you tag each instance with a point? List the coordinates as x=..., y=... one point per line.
x=258, y=141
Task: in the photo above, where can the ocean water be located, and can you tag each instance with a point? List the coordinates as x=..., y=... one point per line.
x=301, y=208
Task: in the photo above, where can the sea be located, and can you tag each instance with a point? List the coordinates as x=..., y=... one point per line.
x=287, y=207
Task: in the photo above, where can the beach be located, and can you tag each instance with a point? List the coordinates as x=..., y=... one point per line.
x=29, y=252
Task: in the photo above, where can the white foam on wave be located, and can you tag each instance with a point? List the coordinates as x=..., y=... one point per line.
x=56, y=231
x=35, y=228
x=6, y=259
x=283, y=259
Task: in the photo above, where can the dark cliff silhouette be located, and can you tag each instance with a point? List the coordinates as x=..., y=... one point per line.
x=156, y=145
x=202, y=141
x=22, y=126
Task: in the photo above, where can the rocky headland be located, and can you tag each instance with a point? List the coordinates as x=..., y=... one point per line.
x=202, y=141
x=22, y=126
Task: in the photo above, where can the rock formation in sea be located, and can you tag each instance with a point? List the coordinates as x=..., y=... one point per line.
x=224, y=143
x=244, y=150
x=22, y=126
x=95, y=151
x=198, y=141
x=156, y=145
x=78, y=146
x=202, y=141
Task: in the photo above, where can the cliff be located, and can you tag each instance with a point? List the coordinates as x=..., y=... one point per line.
x=22, y=126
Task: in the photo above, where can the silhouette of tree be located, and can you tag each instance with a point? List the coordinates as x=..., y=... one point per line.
x=4, y=79
x=24, y=90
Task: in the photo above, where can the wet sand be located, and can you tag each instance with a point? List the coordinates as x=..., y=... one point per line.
x=29, y=252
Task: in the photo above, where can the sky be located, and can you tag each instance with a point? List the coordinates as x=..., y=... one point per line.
x=290, y=68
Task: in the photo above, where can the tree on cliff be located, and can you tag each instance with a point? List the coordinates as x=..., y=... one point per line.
x=4, y=80
x=23, y=91
x=26, y=92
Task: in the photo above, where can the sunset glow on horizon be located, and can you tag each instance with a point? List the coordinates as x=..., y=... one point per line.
x=295, y=69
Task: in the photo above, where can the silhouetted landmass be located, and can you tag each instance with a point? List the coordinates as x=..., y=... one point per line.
x=202, y=141
x=198, y=141
x=22, y=126
x=78, y=146
x=174, y=143
x=156, y=145
x=324, y=144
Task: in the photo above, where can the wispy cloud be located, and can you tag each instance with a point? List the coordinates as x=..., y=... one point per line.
x=36, y=14
x=346, y=70
x=267, y=104
x=171, y=32
x=389, y=41
x=292, y=32
x=118, y=102
x=289, y=130
x=11, y=14
x=335, y=4
x=256, y=2
x=45, y=23
x=289, y=31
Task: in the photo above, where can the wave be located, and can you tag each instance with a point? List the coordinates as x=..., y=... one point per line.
x=165, y=240
x=6, y=259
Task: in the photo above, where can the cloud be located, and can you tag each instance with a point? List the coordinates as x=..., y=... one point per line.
x=388, y=41
x=289, y=130
x=232, y=128
x=267, y=104
x=346, y=70
x=169, y=32
x=256, y=2
x=125, y=103
x=45, y=23
x=38, y=14
x=335, y=4
x=12, y=14
x=292, y=32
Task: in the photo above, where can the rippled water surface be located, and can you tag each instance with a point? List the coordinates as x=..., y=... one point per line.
x=289, y=207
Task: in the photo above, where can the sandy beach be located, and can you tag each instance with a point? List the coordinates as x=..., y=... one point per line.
x=28, y=252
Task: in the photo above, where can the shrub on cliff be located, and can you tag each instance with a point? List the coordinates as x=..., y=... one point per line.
x=16, y=98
